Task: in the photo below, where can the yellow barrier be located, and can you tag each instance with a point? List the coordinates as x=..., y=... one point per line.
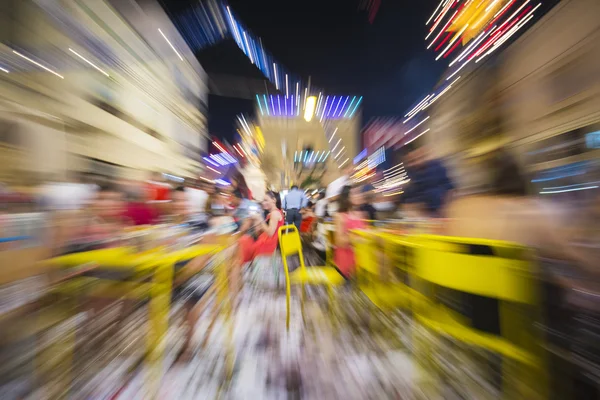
x=492, y=269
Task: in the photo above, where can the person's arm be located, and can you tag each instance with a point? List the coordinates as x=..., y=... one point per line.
x=271, y=227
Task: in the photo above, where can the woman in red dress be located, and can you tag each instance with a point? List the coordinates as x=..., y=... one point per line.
x=267, y=241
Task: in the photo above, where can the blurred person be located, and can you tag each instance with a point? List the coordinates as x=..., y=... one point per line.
x=347, y=218
x=64, y=195
x=429, y=187
x=157, y=188
x=367, y=206
x=309, y=223
x=334, y=189
x=293, y=204
x=321, y=206
x=138, y=212
x=186, y=282
x=266, y=241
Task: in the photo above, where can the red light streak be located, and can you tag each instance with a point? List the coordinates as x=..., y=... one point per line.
x=495, y=37
x=440, y=17
x=502, y=12
x=444, y=41
x=452, y=49
x=443, y=29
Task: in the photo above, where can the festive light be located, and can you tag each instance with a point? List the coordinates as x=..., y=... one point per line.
x=472, y=21
x=170, y=44
x=38, y=64
x=332, y=107
x=311, y=103
x=89, y=62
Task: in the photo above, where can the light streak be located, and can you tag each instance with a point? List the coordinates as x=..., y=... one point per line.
x=343, y=105
x=349, y=106
x=443, y=29
x=336, y=145
x=470, y=47
x=416, y=126
x=38, y=64
x=417, y=106
x=4, y=70
x=355, y=107
x=440, y=18
x=435, y=12
x=89, y=62
x=259, y=105
x=214, y=170
x=276, y=77
x=170, y=44
x=568, y=190
x=458, y=35
x=342, y=164
x=266, y=104
x=332, y=135
x=287, y=87
x=418, y=136
x=248, y=47
x=324, y=107
x=210, y=161
x=340, y=152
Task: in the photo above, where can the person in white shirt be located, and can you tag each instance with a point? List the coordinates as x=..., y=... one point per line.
x=321, y=206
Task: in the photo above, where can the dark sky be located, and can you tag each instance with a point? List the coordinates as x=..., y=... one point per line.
x=333, y=42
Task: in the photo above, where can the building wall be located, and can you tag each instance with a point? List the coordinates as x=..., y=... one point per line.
x=285, y=136
x=545, y=84
x=148, y=114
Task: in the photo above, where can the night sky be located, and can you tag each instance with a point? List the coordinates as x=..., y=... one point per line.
x=333, y=42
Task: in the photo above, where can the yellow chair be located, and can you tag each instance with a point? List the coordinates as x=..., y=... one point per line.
x=290, y=245
x=495, y=270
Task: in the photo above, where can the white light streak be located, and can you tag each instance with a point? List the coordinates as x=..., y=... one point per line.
x=418, y=136
x=340, y=152
x=214, y=170
x=38, y=64
x=440, y=18
x=443, y=30
x=569, y=190
x=4, y=70
x=248, y=47
x=418, y=105
x=287, y=87
x=88, y=61
x=436, y=10
x=456, y=37
x=466, y=51
x=239, y=152
x=332, y=135
x=342, y=164
x=170, y=44
x=276, y=77
x=336, y=145
x=415, y=127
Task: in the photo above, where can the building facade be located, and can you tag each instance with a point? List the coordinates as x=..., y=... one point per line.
x=308, y=153
x=92, y=82
x=540, y=97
